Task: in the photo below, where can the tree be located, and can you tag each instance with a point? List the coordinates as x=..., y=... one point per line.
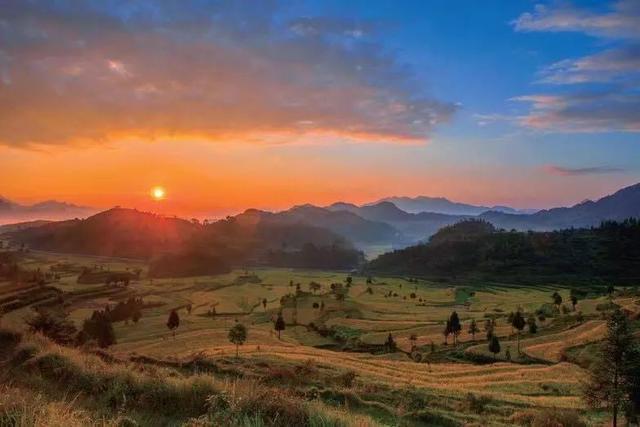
x=518, y=323
x=100, y=328
x=315, y=287
x=574, y=301
x=349, y=280
x=264, y=304
x=613, y=382
x=531, y=323
x=279, y=324
x=136, y=316
x=473, y=329
x=238, y=335
x=494, y=345
x=557, y=299
x=173, y=322
x=446, y=332
x=55, y=327
x=390, y=344
x=610, y=290
x=455, y=326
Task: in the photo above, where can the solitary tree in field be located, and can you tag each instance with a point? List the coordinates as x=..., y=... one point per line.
x=446, y=331
x=390, y=344
x=315, y=287
x=349, y=280
x=173, y=322
x=615, y=377
x=264, y=304
x=557, y=299
x=518, y=323
x=494, y=345
x=279, y=325
x=136, y=315
x=473, y=329
x=610, y=290
x=455, y=326
x=574, y=302
x=238, y=335
x=531, y=323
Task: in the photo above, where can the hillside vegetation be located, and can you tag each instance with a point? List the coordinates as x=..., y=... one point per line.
x=475, y=249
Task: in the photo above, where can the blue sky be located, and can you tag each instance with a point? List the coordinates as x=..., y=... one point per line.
x=530, y=103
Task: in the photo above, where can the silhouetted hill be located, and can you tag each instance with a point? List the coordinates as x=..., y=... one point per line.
x=180, y=247
x=442, y=205
x=115, y=232
x=48, y=210
x=474, y=249
x=413, y=226
x=347, y=224
x=623, y=204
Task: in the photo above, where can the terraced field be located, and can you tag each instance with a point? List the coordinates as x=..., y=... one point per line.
x=341, y=336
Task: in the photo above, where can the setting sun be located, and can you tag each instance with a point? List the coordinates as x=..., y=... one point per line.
x=158, y=193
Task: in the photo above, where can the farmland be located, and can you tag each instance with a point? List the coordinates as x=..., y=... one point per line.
x=338, y=335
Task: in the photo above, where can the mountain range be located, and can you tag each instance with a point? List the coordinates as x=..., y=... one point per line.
x=368, y=226
x=11, y=212
x=445, y=206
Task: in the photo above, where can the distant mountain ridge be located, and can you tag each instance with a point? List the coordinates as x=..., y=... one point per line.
x=47, y=210
x=445, y=206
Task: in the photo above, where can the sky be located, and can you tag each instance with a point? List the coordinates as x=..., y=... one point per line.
x=236, y=104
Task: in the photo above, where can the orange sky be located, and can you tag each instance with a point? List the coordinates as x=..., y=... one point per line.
x=208, y=179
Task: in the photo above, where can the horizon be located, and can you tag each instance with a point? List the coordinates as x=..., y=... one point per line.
x=225, y=107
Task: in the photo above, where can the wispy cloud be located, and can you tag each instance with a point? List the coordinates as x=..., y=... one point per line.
x=593, y=170
x=622, y=21
x=226, y=71
x=612, y=106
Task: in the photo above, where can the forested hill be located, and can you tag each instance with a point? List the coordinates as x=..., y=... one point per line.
x=475, y=249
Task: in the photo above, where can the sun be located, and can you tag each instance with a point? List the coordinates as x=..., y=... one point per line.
x=158, y=193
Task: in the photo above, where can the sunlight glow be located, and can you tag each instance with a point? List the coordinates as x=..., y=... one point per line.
x=158, y=193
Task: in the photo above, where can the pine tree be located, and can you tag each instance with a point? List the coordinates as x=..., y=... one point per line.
x=494, y=345
x=518, y=322
x=455, y=326
x=173, y=322
x=613, y=384
x=473, y=329
x=279, y=325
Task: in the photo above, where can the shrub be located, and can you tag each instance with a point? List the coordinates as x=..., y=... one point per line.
x=548, y=418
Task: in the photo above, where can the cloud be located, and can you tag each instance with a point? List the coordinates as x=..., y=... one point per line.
x=606, y=111
x=594, y=170
x=602, y=90
x=619, y=64
x=622, y=21
x=92, y=72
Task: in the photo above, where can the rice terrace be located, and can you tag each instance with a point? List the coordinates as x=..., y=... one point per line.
x=302, y=213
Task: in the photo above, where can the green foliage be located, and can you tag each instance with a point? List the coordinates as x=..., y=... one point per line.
x=54, y=326
x=608, y=252
x=494, y=345
x=238, y=335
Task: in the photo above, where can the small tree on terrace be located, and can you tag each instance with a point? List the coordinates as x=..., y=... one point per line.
x=315, y=287
x=531, y=323
x=390, y=344
x=615, y=378
x=518, y=323
x=494, y=345
x=238, y=335
x=173, y=322
x=279, y=324
x=136, y=315
x=456, y=327
x=264, y=304
x=574, y=302
x=473, y=329
x=557, y=299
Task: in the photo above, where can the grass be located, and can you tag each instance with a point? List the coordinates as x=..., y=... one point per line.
x=383, y=384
